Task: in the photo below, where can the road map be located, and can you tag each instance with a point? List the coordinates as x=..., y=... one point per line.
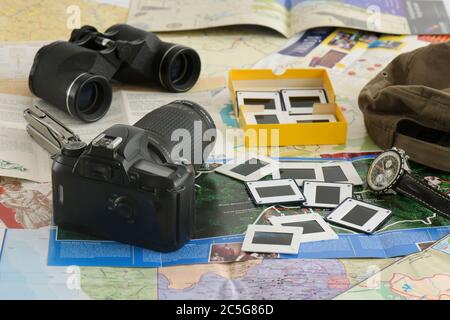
x=422, y=276
x=289, y=17
x=265, y=279
x=46, y=19
x=224, y=210
x=25, y=275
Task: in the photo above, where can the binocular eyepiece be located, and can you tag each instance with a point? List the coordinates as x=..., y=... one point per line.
x=75, y=76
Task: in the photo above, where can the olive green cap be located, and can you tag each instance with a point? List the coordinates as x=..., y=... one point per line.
x=407, y=105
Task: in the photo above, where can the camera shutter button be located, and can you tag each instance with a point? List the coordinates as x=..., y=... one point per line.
x=124, y=208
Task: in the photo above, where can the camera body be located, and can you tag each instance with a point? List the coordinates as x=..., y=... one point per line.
x=75, y=75
x=114, y=189
x=129, y=185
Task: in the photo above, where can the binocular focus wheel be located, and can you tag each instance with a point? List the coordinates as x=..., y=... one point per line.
x=78, y=34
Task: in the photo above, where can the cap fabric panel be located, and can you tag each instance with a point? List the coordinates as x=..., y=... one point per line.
x=414, y=87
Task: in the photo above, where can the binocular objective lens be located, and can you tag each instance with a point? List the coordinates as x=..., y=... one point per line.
x=87, y=97
x=178, y=68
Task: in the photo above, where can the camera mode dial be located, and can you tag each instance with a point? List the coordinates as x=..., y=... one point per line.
x=73, y=149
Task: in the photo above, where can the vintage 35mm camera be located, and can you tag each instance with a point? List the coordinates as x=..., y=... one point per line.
x=129, y=185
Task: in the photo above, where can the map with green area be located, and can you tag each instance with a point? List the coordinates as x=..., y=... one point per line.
x=224, y=207
x=119, y=283
x=406, y=214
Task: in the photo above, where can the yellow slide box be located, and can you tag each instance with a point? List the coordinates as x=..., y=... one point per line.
x=288, y=134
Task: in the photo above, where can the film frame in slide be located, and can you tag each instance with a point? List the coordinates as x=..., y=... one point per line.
x=300, y=171
x=326, y=194
x=321, y=230
x=314, y=95
x=263, y=239
x=261, y=100
x=345, y=173
x=266, y=117
x=251, y=168
x=280, y=191
x=311, y=118
x=359, y=216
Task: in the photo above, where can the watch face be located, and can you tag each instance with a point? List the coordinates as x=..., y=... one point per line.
x=384, y=171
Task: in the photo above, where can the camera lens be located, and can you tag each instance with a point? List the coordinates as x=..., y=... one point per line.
x=89, y=97
x=179, y=69
x=162, y=123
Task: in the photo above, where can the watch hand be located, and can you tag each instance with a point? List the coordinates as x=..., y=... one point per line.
x=380, y=167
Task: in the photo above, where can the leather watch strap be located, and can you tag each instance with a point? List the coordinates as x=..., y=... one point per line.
x=423, y=193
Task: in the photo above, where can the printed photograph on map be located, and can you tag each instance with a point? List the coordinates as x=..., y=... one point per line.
x=424, y=245
x=329, y=60
x=231, y=252
x=368, y=37
x=24, y=204
x=345, y=40
x=310, y=40
x=387, y=44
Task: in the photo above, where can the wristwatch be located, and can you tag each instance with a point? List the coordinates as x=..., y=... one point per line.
x=390, y=171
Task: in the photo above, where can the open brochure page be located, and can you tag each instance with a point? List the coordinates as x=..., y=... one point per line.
x=16, y=59
x=290, y=17
x=192, y=14
x=20, y=156
x=379, y=16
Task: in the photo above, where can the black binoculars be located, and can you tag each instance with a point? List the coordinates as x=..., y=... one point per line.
x=75, y=75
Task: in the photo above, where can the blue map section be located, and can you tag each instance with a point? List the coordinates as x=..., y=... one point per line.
x=24, y=273
x=310, y=40
x=227, y=116
x=386, y=244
